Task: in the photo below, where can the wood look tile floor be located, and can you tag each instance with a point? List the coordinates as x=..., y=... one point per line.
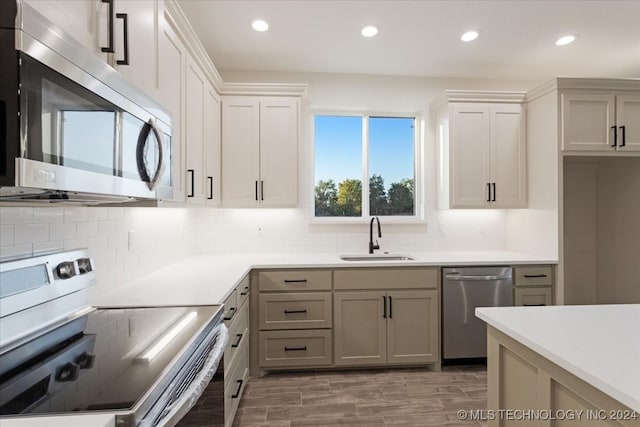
x=364, y=398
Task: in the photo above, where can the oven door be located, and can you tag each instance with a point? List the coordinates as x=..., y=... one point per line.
x=87, y=141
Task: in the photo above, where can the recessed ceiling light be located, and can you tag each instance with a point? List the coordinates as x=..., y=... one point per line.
x=469, y=36
x=369, y=31
x=259, y=25
x=565, y=40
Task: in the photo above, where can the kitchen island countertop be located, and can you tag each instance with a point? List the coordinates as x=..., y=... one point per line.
x=208, y=279
x=599, y=344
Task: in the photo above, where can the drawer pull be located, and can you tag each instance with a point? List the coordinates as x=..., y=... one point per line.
x=534, y=305
x=295, y=311
x=237, y=393
x=295, y=280
x=531, y=276
x=237, y=343
x=232, y=312
x=245, y=292
x=296, y=348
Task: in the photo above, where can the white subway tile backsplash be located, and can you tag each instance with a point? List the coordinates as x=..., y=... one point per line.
x=31, y=233
x=49, y=214
x=45, y=247
x=6, y=235
x=76, y=213
x=17, y=251
x=10, y=215
x=62, y=230
x=87, y=228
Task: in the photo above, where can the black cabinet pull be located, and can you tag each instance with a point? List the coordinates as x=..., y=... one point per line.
x=615, y=136
x=390, y=308
x=488, y=192
x=624, y=139
x=534, y=305
x=125, y=26
x=256, y=191
x=295, y=311
x=384, y=307
x=261, y=190
x=109, y=47
x=493, y=185
x=210, y=178
x=295, y=280
x=192, y=173
x=237, y=343
x=296, y=348
x=534, y=275
x=232, y=310
x=237, y=393
x=246, y=291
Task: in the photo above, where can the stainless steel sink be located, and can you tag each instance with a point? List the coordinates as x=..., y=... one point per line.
x=376, y=257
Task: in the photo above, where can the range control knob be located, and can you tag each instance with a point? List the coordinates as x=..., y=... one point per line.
x=85, y=360
x=65, y=270
x=84, y=265
x=67, y=372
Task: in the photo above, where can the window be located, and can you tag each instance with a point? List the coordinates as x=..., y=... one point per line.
x=374, y=149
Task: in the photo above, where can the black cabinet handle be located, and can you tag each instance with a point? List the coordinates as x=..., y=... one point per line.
x=192, y=173
x=534, y=305
x=493, y=185
x=256, y=191
x=384, y=307
x=109, y=47
x=210, y=178
x=295, y=311
x=246, y=291
x=296, y=348
x=295, y=280
x=488, y=192
x=232, y=310
x=237, y=393
x=125, y=26
x=615, y=136
x=261, y=190
x=624, y=139
x=390, y=308
x=237, y=343
x=534, y=275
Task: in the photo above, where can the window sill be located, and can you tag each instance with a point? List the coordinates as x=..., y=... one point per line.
x=351, y=221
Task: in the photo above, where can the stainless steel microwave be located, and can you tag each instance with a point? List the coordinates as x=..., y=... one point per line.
x=71, y=127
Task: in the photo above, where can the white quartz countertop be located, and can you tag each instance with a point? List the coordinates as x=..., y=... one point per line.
x=208, y=279
x=599, y=344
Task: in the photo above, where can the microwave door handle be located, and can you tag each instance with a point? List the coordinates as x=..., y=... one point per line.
x=143, y=138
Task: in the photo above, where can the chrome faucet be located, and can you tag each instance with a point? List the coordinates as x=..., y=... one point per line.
x=373, y=246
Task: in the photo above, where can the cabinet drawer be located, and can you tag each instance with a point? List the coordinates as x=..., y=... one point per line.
x=533, y=276
x=234, y=384
x=243, y=289
x=386, y=278
x=295, y=348
x=238, y=334
x=304, y=310
x=230, y=307
x=294, y=280
x=534, y=296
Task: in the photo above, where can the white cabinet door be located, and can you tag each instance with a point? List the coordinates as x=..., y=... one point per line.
x=279, y=151
x=469, y=155
x=587, y=121
x=212, y=145
x=240, y=151
x=508, y=159
x=172, y=62
x=628, y=115
x=142, y=36
x=194, y=132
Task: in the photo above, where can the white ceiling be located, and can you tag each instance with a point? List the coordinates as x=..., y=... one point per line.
x=422, y=38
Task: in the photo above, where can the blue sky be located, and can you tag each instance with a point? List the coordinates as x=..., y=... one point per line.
x=338, y=148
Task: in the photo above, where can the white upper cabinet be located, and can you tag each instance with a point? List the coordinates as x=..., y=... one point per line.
x=485, y=146
x=600, y=122
x=260, y=151
x=196, y=86
x=212, y=148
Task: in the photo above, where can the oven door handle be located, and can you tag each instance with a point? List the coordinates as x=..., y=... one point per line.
x=180, y=407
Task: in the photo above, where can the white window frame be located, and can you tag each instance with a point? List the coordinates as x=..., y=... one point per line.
x=418, y=170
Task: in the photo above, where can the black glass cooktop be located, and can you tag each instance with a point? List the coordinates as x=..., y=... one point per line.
x=107, y=359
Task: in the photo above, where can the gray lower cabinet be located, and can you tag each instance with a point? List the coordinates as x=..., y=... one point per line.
x=533, y=285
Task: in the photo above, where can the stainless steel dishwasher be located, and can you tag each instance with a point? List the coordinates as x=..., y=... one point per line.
x=464, y=336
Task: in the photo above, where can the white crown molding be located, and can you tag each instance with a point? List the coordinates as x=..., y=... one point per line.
x=542, y=90
x=580, y=83
x=484, y=96
x=263, y=89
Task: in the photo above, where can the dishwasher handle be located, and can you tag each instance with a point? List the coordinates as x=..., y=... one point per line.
x=459, y=277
